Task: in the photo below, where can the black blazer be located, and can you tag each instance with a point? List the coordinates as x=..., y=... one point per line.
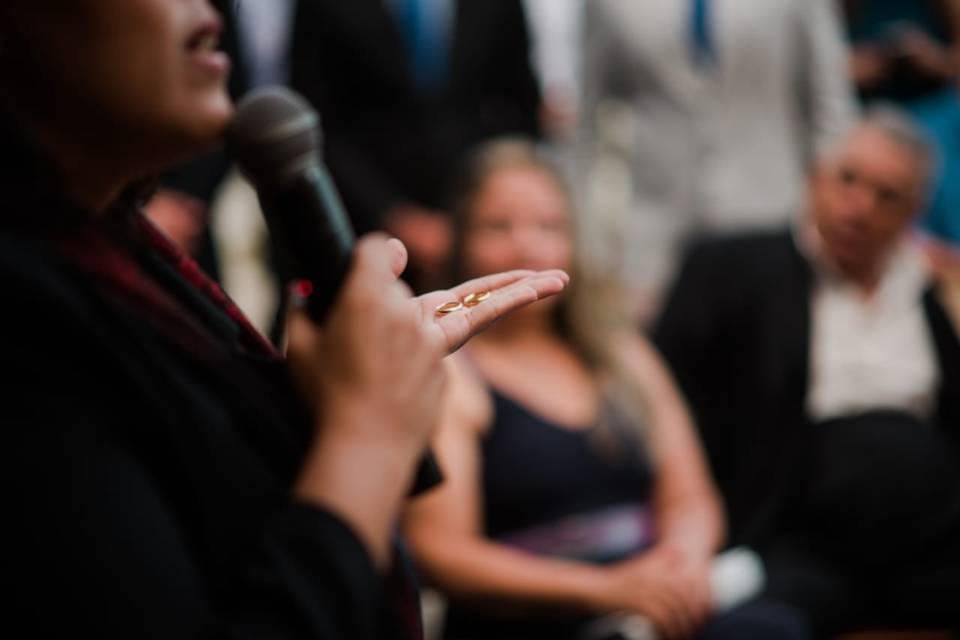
x=385, y=141
x=736, y=333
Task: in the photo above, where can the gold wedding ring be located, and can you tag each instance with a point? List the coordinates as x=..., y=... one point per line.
x=471, y=300
x=449, y=307
x=474, y=299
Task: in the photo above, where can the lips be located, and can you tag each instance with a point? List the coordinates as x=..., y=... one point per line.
x=204, y=48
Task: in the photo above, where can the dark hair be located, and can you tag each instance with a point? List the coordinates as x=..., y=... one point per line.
x=34, y=189
x=33, y=184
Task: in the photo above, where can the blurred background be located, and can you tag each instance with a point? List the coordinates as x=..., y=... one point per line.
x=671, y=125
x=667, y=129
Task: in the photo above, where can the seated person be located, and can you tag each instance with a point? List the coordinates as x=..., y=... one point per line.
x=824, y=374
x=575, y=485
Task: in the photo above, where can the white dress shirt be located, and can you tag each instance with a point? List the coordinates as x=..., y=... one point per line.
x=872, y=352
x=556, y=36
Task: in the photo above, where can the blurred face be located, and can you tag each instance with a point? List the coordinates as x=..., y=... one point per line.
x=520, y=219
x=864, y=198
x=136, y=74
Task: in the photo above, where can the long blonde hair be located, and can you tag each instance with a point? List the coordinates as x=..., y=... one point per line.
x=592, y=313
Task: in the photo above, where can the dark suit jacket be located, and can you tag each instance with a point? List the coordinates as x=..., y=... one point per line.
x=386, y=142
x=736, y=333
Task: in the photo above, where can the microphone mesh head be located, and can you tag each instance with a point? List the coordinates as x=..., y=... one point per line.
x=274, y=137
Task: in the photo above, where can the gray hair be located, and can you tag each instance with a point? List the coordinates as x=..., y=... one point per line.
x=898, y=126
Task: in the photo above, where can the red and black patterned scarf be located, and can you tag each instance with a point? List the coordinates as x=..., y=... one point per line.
x=107, y=251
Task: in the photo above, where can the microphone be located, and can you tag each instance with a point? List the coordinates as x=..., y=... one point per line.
x=275, y=137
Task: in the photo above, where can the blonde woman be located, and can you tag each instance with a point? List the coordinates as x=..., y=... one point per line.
x=575, y=484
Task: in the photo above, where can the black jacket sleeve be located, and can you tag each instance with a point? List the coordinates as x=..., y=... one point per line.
x=99, y=549
x=98, y=539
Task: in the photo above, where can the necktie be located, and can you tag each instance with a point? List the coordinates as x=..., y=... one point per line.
x=420, y=23
x=702, y=43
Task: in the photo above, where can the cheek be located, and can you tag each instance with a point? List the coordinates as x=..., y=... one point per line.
x=139, y=75
x=165, y=93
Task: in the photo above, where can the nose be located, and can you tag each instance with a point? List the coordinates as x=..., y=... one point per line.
x=861, y=203
x=522, y=237
x=526, y=243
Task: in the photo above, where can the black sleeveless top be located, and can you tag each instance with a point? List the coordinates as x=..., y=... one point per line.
x=551, y=490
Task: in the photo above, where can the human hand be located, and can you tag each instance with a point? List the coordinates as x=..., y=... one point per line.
x=870, y=66
x=375, y=376
x=662, y=585
x=376, y=269
x=693, y=572
x=926, y=55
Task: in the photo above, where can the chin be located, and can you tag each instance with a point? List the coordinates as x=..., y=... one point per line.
x=203, y=126
x=216, y=116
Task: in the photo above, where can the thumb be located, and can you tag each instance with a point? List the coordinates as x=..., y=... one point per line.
x=386, y=256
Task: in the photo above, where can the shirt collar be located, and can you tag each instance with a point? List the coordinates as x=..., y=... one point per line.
x=905, y=262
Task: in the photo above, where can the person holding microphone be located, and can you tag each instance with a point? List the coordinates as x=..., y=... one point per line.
x=171, y=475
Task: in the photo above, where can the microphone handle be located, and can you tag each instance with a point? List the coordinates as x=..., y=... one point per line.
x=311, y=236
x=313, y=240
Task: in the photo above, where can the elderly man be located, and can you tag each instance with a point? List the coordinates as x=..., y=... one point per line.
x=825, y=377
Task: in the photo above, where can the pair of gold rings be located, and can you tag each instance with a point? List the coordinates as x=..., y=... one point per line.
x=471, y=300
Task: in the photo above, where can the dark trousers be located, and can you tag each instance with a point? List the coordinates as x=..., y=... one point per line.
x=876, y=543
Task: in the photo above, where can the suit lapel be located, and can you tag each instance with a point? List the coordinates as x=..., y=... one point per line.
x=787, y=327
x=947, y=345
x=797, y=323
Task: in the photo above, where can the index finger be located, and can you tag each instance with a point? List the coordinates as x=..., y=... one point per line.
x=499, y=281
